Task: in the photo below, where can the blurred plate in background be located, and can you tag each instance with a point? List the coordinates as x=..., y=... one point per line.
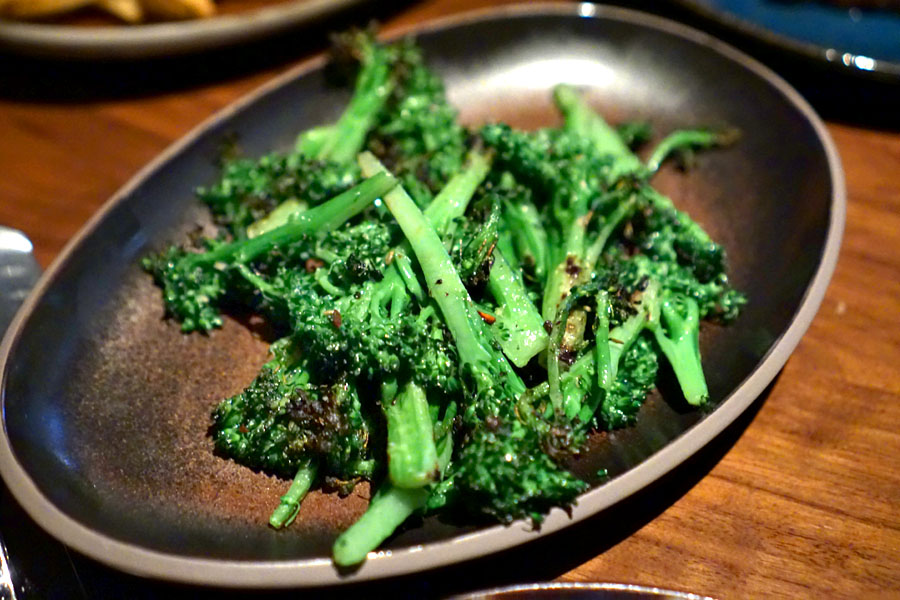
x=580, y=591
x=86, y=41
x=861, y=40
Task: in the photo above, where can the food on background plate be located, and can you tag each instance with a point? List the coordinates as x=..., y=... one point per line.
x=457, y=311
x=129, y=11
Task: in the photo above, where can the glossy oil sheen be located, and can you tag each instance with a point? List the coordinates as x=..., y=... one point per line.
x=106, y=404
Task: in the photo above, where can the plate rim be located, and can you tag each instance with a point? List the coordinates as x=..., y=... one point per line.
x=137, y=560
x=151, y=40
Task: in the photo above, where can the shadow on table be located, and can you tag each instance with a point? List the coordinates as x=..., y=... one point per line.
x=46, y=568
x=30, y=79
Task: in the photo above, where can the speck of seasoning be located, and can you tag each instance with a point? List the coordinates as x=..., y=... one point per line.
x=548, y=326
x=313, y=263
x=336, y=318
x=243, y=429
x=439, y=282
x=488, y=318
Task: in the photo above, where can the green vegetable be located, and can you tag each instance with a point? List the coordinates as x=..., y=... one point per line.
x=457, y=311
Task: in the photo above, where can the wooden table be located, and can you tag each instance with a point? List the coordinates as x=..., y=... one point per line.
x=800, y=498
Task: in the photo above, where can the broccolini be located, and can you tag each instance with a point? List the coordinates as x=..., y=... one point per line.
x=458, y=310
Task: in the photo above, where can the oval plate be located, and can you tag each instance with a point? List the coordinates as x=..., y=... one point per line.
x=106, y=405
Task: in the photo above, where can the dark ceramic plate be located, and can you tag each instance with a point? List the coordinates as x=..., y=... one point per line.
x=106, y=405
x=863, y=41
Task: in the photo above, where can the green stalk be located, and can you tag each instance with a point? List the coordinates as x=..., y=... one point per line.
x=529, y=236
x=602, y=353
x=610, y=224
x=453, y=199
x=310, y=142
x=622, y=337
x=373, y=86
x=286, y=511
x=412, y=455
x=392, y=505
x=279, y=216
x=519, y=328
x=678, y=336
x=443, y=281
x=389, y=507
x=581, y=118
x=569, y=271
x=450, y=203
x=326, y=217
x=688, y=139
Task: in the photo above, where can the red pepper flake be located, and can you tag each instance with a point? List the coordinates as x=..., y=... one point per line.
x=489, y=319
x=336, y=318
x=615, y=341
x=243, y=429
x=313, y=263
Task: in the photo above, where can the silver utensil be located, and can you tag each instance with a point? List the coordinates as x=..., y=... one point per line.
x=18, y=273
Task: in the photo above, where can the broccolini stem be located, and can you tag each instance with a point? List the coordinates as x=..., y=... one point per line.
x=403, y=266
x=454, y=197
x=519, y=328
x=373, y=86
x=389, y=507
x=280, y=215
x=677, y=332
x=321, y=277
x=529, y=236
x=310, y=142
x=289, y=506
x=443, y=435
x=622, y=337
x=412, y=455
x=688, y=139
x=581, y=118
x=442, y=279
x=325, y=217
x=610, y=224
x=602, y=353
x=569, y=271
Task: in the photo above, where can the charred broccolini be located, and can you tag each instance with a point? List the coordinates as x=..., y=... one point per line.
x=458, y=310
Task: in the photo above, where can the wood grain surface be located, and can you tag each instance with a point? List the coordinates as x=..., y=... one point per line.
x=799, y=499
